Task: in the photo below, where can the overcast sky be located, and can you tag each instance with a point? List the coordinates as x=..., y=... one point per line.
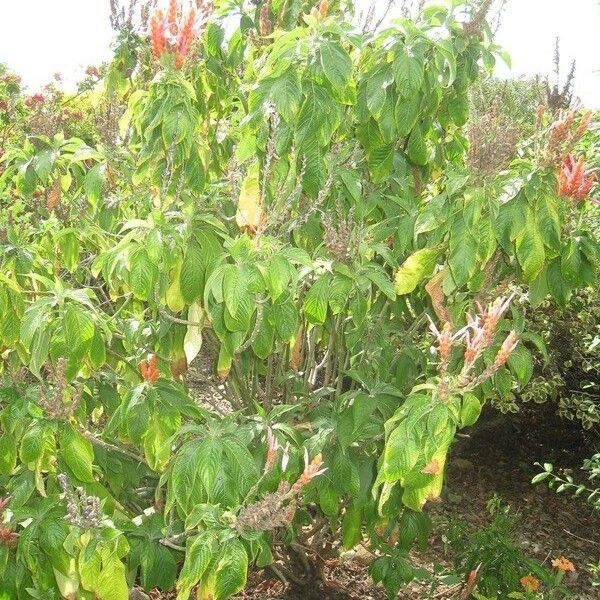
x=41, y=37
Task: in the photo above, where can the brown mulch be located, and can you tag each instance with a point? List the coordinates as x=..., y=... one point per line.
x=497, y=456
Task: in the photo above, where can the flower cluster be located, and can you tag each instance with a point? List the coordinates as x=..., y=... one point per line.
x=320, y=12
x=277, y=509
x=563, y=564
x=175, y=32
x=83, y=511
x=574, y=180
x=35, y=100
x=562, y=138
x=7, y=536
x=477, y=336
x=529, y=583
x=92, y=71
x=64, y=400
x=272, y=448
x=149, y=369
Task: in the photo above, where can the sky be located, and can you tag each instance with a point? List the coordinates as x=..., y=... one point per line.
x=41, y=37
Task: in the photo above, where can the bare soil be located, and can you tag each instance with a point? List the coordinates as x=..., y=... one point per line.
x=497, y=457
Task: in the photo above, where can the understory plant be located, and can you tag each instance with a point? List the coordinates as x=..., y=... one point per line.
x=497, y=567
x=290, y=204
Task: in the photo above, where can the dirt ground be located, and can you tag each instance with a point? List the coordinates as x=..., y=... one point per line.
x=497, y=457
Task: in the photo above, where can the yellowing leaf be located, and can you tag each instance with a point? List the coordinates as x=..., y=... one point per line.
x=250, y=214
x=175, y=300
x=193, y=337
x=415, y=268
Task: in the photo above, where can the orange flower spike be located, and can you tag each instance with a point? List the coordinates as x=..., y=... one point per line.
x=529, y=583
x=186, y=37
x=584, y=124
x=574, y=180
x=509, y=344
x=144, y=370
x=323, y=9
x=149, y=369
x=264, y=21
x=158, y=34
x=172, y=15
x=563, y=564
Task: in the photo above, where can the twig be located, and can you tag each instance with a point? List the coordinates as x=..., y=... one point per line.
x=107, y=446
x=581, y=538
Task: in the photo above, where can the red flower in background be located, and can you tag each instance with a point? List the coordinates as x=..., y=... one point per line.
x=149, y=369
x=176, y=31
x=574, y=180
x=7, y=537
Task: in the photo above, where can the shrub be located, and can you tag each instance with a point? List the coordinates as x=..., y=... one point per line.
x=290, y=202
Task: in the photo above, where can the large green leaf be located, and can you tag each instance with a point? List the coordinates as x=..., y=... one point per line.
x=198, y=557
x=530, y=251
x=336, y=63
x=286, y=94
x=316, y=300
x=191, y=277
x=143, y=274
x=112, y=583
x=408, y=73
x=78, y=453
x=232, y=570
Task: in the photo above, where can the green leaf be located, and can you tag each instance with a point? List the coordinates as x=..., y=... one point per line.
x=313, y=118
x=540, y=477
x=112, y=583
x=336, y=64
x=158, y=567
x=521, y=364
x=315, y=302
x=286, y=94
x=470, y=410
x=286, y=320
x=464, y=247
x=8, y=454
x=407, y=114
x=414, y=526
x=35, y=316
x=78, y=330
x=376, y=89
x=94, y=182
x=415, y=269
x=408, y=73
x=78, y=453
x=97, y=350
x=192, y=342
x=198, y=557
x=571, y=263
x=530, y=251
x=381, y=161
x=43, y=163
x=143, y=274
x=32, y=444
x=191, y=277
x=278, y=276
x=39, y=350
x=232, y=570
x=235, y=288
x=558, y=286
x=416, y=148
x=351, y=527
